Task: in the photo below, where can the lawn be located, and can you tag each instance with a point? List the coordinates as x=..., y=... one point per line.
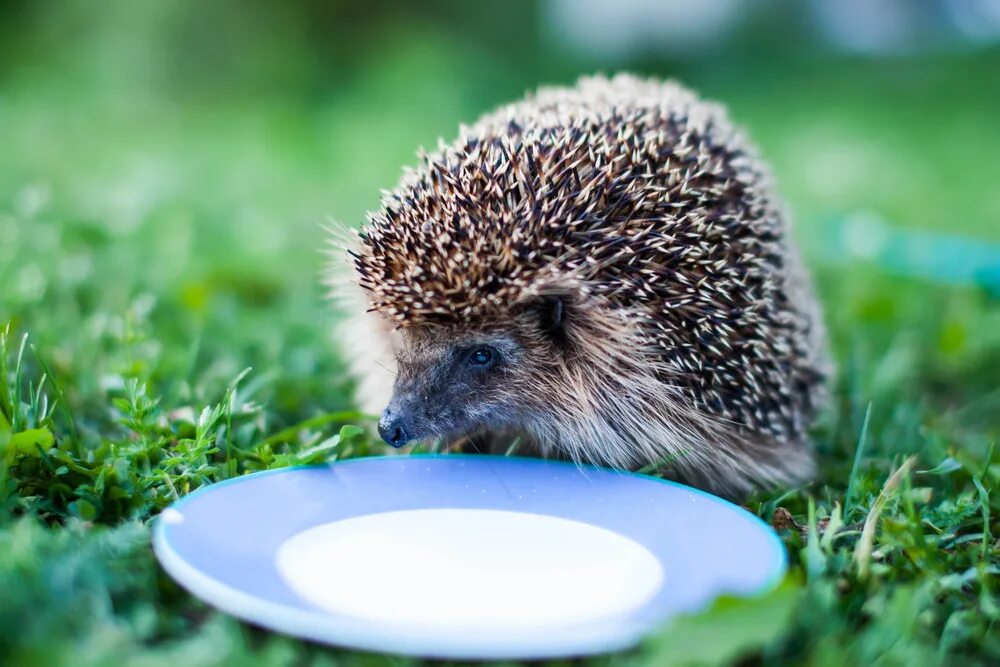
x=165, y=328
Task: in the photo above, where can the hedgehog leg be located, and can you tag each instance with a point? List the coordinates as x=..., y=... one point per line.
x=496, y=443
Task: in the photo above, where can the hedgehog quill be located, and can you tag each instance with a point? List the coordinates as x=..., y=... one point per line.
x=603, y=271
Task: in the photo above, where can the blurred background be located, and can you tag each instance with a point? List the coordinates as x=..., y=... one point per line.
x=187, y=153
x=166, y=171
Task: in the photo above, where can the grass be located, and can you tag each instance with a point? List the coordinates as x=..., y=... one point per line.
x=164, y=329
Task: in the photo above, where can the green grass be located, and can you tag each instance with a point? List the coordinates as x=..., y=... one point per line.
x=165, y=329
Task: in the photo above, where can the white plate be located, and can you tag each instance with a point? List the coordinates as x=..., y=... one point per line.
x=463, y=556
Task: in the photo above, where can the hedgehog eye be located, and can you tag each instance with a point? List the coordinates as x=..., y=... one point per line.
x=482, y=357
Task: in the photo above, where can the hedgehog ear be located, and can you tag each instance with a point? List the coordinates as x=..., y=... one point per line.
x=553, y=313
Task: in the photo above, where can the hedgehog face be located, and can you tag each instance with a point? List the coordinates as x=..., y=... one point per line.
x=462, y=379
x=451, y=383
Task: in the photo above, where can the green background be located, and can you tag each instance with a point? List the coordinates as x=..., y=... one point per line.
x=166, y=171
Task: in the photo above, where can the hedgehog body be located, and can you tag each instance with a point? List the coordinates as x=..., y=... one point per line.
x=618, y=251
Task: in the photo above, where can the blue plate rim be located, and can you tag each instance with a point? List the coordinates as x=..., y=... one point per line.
x=315, y=626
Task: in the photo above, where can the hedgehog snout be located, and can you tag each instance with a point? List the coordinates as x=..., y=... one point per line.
x=409, y=418
x=394, y=427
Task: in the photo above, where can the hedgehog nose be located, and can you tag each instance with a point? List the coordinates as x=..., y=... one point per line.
x=392, y=429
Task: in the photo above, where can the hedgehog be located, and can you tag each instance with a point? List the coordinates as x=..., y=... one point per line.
x=602, y=273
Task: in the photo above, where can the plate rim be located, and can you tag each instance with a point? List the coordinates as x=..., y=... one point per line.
x=315, y=625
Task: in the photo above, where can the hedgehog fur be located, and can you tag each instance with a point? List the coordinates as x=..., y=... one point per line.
x=687, y=335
